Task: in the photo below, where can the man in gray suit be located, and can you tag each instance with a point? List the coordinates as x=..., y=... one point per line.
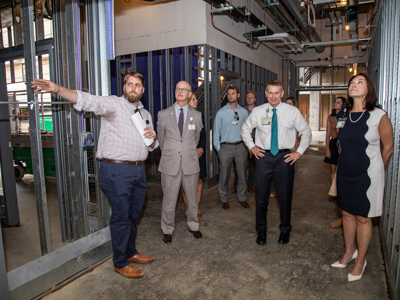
x=179, y=128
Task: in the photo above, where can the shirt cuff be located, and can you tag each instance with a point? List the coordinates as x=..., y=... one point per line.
x=79, y=102
x=301, y=150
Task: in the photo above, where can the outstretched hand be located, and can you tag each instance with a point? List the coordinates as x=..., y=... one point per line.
x=45, y=85
x=50, y=87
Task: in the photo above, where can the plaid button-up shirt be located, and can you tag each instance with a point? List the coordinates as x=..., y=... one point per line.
x=118, y=138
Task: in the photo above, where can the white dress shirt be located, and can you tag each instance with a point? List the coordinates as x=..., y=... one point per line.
x=290, y=121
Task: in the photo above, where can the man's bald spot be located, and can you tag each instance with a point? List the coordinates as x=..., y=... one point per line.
x=185, y=84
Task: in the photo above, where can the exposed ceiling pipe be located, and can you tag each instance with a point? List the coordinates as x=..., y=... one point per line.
x=300, y=14
x=282, y=18
x=286, y=40
x=332, y=43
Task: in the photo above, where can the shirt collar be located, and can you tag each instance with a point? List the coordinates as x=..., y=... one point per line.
x=227, y=106
x=177, y=107
x=278, y=107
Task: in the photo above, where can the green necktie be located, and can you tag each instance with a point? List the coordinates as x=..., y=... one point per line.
x=274, y=134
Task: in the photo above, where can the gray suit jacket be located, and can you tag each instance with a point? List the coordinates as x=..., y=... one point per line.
x=173, y=146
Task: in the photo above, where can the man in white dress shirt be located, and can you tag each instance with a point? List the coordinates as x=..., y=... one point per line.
x=277, y=125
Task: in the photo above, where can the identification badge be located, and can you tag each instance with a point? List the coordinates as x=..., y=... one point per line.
x=341, y=122
x=267, y=120
x=192, y=127
x=234, y=122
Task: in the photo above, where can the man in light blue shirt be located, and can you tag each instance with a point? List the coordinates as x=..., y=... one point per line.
x=228, y=142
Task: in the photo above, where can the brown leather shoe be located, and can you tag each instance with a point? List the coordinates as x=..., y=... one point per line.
x=130, y=271
x=196, y=234
x=244, y=204
x=167, y=238
x=250, y=189
x=141, y=259
x=225, y=205
x=234, y=190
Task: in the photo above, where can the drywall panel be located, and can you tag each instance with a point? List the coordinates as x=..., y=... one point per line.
x=141, y=26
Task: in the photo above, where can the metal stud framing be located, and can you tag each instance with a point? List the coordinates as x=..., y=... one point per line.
x=383, y=67
x=67, y=124
x=35, y=133
x=245, y=75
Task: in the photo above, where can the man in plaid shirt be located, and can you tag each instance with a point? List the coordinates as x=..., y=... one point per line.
x=122, y=153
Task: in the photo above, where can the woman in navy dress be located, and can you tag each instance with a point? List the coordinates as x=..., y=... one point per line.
x=360, y=173
x=201, y=147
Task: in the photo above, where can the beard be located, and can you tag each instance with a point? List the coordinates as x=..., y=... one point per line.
x=132, y=97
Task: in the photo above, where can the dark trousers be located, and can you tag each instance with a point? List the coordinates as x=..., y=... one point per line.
x=273, y=168
x=125, y=187
x=252, y=171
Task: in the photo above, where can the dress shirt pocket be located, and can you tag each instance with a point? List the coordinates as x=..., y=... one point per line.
x=285, y=122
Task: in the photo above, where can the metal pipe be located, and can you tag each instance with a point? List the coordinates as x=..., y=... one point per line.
x=329, y=43
x=275, y=36
x=223, y=9
x=31, y=102
x=300, y=14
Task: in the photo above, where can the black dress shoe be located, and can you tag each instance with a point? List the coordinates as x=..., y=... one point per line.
x=262, y=237
x=196, y=234
x=167, y=238
x=225, y=205
x=284, y=238
x=244, y=204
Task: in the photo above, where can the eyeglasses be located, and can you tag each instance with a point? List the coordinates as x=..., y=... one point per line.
x=236, y=116
x=182, y=90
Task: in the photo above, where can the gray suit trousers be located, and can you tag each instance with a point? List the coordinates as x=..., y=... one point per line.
x=171, y=185
x=226, y=154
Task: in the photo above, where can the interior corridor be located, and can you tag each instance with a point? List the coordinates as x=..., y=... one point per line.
x=227, y=263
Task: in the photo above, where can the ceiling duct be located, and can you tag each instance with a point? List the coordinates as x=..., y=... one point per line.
x=279, y=14
x=352, y=20
x=300, y=14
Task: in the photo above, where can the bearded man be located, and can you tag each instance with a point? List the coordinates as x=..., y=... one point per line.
x=122, y=153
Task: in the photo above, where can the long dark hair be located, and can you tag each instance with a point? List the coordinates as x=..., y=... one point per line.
x=370, y=98
x=333, y=114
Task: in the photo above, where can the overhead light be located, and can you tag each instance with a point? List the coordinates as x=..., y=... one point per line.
x=222, y=78
x=347, y=27
x=350, y=69
x=343, y=2
x=355, y=72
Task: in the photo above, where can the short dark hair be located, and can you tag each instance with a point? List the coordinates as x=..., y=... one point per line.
x=252, y=92
x=370, y=98
x=274, y=83
x=232, y=87
x=134, y=74
x=294, y=100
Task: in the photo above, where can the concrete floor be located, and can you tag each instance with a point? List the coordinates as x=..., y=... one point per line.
x=227, y=263
x=22, y=244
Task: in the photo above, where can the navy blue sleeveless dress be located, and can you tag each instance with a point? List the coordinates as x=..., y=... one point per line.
x=360, y=171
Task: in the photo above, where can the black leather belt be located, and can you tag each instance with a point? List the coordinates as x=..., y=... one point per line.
x=123, y=162
x=225, y=143
x=280, y=151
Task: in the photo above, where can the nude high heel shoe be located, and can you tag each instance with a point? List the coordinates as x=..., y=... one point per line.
x=341, y=266
x=357, y=277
